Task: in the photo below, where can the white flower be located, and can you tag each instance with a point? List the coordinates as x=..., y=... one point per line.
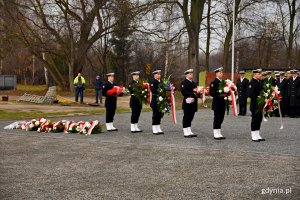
x=146, y=90
x=84, y=131
x=267, y=84
x=37, y=123
x=265, y=94
x=143, y=92
x=160, y=98
x=166, y=109
x=220, y=91
x=88, y=125
x=39, y=130
x=268, y=91
x=31, y=126
x=229, y=98
x=228, y=81
x=43, y=120
x=226, y=98
x=145, y=96
x=77, y=128
x=226, y=89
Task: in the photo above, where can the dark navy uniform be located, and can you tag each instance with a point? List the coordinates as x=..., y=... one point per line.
x=242, y=92
x=187, y=90
x=110, y=102
x=283, y=85
x=135, y=105
x=254, y=88
x=157, y=115
x=271, y=81
x=218, y=104
x=294, y=96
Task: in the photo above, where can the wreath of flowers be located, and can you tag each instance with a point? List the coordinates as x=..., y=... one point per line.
x=141, y=91
x=268, y=99
x=227, y=89
x=164, y=99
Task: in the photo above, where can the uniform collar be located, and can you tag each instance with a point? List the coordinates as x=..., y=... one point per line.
x=189, y=80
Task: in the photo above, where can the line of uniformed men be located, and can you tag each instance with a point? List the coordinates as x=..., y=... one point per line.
x=245, y=87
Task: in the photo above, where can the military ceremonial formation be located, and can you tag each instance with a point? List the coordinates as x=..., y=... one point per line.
x=269, y=96
x=278, y=97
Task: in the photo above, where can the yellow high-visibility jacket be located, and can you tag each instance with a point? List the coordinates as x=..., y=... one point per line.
x=76, y=80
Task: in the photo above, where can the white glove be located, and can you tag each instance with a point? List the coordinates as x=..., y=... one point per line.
x=190, y=100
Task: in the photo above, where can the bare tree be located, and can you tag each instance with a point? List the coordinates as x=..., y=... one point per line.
x=73, y=25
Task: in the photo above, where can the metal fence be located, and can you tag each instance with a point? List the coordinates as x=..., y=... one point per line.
x=8, y=82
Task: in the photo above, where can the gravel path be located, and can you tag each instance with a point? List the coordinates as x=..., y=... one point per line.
x=122, y=165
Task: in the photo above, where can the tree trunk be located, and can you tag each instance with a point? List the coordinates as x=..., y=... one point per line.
x=1, y=67
x=167, y=58
x=298, y=59
x=229, y=37
x=192, y=22
x=33, y=69
x=46, y=71
x=292, y=15
x=227, y=50
x=207, y=53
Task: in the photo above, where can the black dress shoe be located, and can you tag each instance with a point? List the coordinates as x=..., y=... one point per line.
x=114, y=129
x=139, y=131
x=217, y=138
x=155, y=133
x=239, y=114
x=262, y=139
x=161, y=133
x=194, y=135
x=223, y=138
x=255, y=140
x=133, y=131
x=188, y=136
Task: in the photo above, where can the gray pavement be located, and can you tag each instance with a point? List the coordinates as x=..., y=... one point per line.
x=122, y=165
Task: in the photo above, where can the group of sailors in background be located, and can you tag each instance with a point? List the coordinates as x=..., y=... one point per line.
x=287, y=83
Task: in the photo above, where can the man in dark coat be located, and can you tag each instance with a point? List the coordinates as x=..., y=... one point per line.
x=255, y=86
x=270, y=79
x=110, y=102
x=189, y=104
x=98, y=85
x=294, y=94
x=218, y=104
x=283, y=85
x=157, y=115
x=241, y=85
x=135, y=105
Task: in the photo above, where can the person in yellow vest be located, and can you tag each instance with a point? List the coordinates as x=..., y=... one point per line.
x=79, y=84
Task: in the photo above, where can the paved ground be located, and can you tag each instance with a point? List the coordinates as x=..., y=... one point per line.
x=122, y=165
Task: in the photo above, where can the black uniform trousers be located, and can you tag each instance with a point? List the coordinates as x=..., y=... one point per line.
x=156, y=117
x=136, y=112
x=135, y=115
x=256, y=121
x=188, y=117
x=110, y=114
x=243, y=109
x=219, y=117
